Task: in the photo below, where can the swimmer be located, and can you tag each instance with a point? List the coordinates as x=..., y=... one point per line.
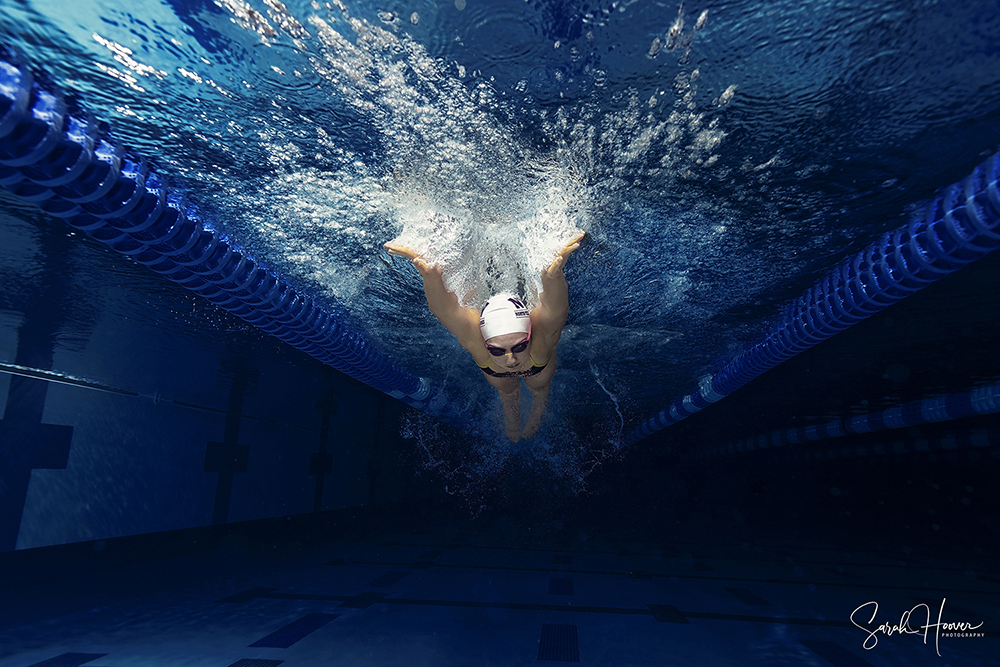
x=507, y=342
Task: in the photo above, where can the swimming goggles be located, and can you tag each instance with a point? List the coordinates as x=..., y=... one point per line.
x=499, y=351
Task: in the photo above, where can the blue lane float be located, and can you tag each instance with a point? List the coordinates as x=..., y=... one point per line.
x=959, y=226
x=58, y=158
x=984, y=400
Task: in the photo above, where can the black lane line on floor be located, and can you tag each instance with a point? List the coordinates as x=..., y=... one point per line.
x=560, y=643
x=69, y=660
x=518, y=606
x=247, y=595
x=362, y=600
x=834, y=653
x=747, y=596
x=746, y=618
x=661, y=613
x=839, y=571
x=388, y=579
x=893, y=559
x=256, y=662
x=294, y=631
x=560, y=587
x=421, y=565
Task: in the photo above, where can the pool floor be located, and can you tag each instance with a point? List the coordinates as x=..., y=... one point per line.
x=437, y=595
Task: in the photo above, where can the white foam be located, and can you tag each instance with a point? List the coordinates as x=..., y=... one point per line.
x=452, y=180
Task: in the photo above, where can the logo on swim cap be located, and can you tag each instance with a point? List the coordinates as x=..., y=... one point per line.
x=504, y=314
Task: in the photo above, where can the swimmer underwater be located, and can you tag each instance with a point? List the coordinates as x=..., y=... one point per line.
x=507, y=342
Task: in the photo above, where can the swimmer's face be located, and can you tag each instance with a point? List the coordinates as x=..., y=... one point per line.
x=510, y=350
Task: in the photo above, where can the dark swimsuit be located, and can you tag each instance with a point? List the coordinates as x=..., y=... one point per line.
x=534, y=370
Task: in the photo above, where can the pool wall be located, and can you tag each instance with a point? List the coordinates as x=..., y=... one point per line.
x=133, y=406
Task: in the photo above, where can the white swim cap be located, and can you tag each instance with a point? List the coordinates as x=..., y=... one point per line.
x=504, y=314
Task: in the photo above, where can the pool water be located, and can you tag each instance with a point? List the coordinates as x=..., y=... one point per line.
x=719, y=158
x=720, y=155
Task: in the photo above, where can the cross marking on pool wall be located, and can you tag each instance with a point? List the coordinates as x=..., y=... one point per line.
x=26, y=444
x=321, y=462
x=229, y=457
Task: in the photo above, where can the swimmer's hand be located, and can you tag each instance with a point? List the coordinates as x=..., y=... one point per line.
x=423, y=266
x=556, y=266
x=401, y=250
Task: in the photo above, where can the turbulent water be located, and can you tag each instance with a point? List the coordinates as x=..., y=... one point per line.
x=719, y=155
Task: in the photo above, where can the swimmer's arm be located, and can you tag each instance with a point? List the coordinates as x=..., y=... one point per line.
x=552, y=312
x=463, y=323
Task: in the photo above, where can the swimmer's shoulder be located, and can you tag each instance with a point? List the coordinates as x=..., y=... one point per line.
x=471, y=339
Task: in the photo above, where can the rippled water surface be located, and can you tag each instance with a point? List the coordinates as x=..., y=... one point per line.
x=720, y=155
